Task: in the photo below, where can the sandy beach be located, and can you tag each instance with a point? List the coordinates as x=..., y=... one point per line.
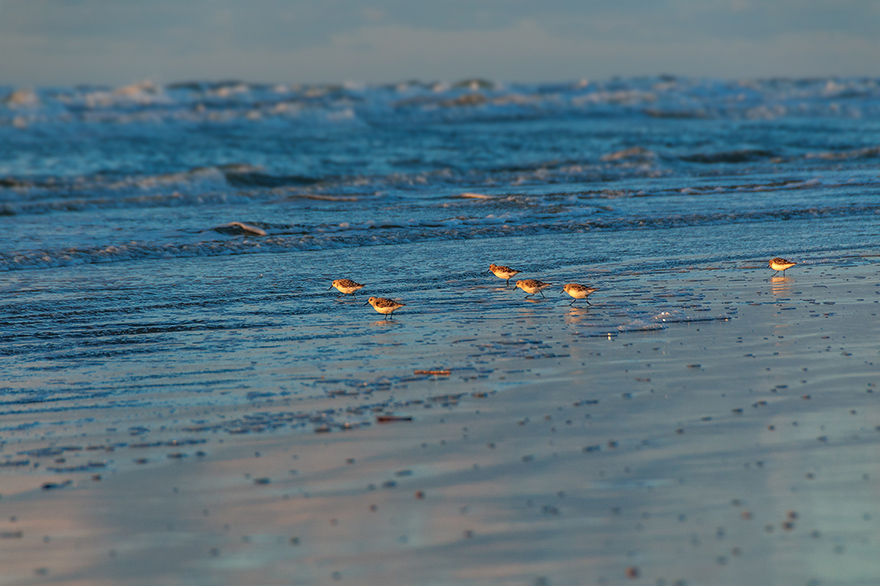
x=729, y=436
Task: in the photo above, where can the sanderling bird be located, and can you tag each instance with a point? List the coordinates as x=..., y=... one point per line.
x=383, y=305
x=502, y=273
x=780, y=264
x=578, y=292
x=346, y=286
x=532, y=286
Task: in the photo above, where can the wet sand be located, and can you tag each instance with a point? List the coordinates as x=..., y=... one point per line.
x=731, y=438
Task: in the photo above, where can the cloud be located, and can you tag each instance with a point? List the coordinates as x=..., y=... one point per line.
x=527, y=52
x=119, y=41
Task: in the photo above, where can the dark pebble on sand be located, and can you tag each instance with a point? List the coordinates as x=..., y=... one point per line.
x=392, y=418
x=11, y=534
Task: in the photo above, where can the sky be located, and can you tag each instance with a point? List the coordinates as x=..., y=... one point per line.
x=117, y=42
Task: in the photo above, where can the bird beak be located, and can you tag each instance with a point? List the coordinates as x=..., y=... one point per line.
x=367, y=303
x=330, y=287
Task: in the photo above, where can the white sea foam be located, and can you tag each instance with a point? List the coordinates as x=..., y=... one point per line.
x=21, y=97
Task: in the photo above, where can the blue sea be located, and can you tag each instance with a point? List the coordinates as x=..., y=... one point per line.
x=130, y=175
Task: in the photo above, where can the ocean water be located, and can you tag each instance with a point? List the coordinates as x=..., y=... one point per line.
x=184, y=236
x=184, y=400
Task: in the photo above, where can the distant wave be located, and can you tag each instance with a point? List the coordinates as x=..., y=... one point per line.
x=198, y=186
x=737, y=156
x=333, y=104
x=242, y=183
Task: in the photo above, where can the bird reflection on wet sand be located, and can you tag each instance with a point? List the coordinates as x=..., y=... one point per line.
x=781, y=285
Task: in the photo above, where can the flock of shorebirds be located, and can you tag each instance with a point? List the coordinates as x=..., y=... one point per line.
x=387, y=306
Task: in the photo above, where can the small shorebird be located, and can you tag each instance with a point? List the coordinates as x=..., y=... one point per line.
x=502, y=272
x=346, y=286
x=780, y=264
x=532, y=286
x=578, y=292
x=383, y=305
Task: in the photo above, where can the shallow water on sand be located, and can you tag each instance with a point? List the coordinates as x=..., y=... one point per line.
x=224, y=327
x=696, y=424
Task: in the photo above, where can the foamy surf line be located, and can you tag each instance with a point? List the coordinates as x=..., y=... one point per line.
x=260, y=237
